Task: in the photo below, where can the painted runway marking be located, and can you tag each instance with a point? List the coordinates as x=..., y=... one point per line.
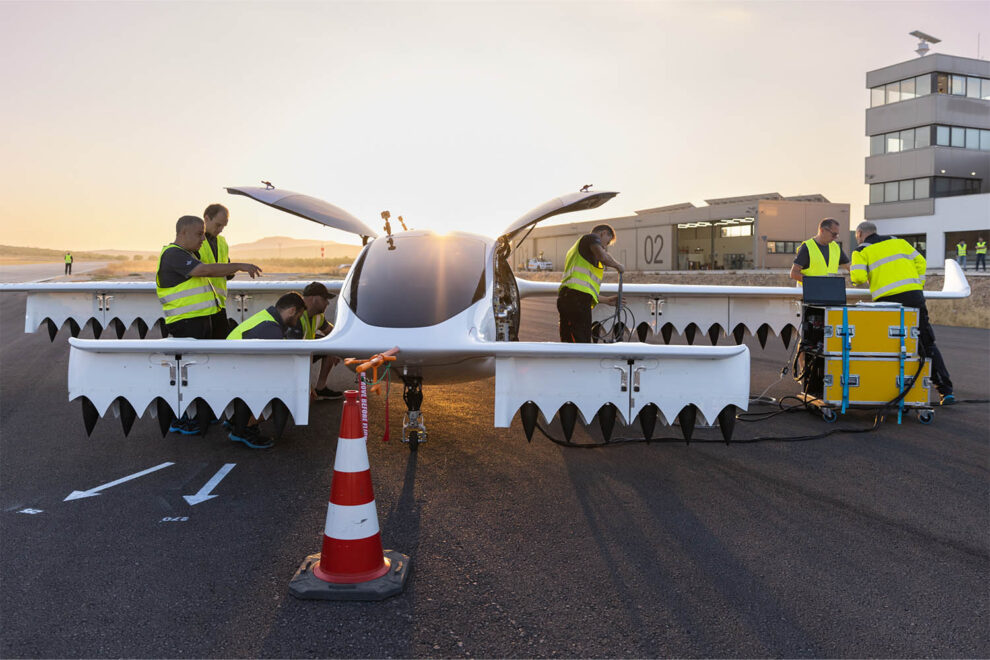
x=204, y=492
x=79, y=494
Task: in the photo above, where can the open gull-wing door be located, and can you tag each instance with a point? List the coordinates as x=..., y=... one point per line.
x=578, y=201
x=307, y=207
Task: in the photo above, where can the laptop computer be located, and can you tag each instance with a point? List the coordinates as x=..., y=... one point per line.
x=825, y=291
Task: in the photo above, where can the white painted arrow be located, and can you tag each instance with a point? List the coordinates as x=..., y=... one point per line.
x=204, y=492
x=79, y=494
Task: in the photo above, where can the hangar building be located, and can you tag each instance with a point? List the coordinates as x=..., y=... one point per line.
x=730, y=233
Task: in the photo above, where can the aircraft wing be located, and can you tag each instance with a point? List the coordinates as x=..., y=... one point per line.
x=307, y=207
x=720, y=311
x=578, y=201
x=622, y=381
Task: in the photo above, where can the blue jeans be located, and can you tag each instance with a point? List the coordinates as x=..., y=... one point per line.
x=962, y=261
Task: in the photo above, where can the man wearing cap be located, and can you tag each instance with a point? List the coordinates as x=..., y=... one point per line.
x=313, y=324
x=820, y=255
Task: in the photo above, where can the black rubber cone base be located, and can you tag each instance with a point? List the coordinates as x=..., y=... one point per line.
x=307, y=586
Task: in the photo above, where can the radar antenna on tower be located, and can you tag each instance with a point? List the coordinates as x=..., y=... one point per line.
x=926, y=39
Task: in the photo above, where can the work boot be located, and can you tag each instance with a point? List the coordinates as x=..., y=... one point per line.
x=326, y=394
x=948, y=400
x=251, y=436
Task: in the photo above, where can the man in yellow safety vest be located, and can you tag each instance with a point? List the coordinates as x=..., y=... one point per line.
x=68, y=263
x=981, y=254
x=895, y=272
x=214, y=250
x=584, y=267
x=186, y=292
x=313, y=324
x=185, y=285
x=961, y=249
x=269, y=323
x=821, y=254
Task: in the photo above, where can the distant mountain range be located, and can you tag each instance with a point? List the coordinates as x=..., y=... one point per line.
x=272, y=247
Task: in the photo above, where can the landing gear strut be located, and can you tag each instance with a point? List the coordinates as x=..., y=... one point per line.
x=413, y=427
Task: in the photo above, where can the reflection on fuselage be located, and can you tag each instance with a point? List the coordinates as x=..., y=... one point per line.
x=417, y=279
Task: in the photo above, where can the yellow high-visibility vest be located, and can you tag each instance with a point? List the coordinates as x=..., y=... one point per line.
x=816, y=262
x=223, y=257
x=189, y=299
x=68, y=258
x=582, y=275
x=961, y=248
x=981, y=247
x=311, y=325
x=890, y=266
x=250, y=322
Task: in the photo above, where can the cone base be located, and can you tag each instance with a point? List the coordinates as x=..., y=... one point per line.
x=307, y=586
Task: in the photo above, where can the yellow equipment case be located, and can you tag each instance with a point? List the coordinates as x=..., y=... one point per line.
x=873, y=381
x=861, y=356
x=874, y=329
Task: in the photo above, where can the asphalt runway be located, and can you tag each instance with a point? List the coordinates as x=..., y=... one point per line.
x=868, y=545
x=44, y=272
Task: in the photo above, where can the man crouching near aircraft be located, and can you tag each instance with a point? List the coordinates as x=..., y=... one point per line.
x=270, y=323
x=578, y=293
x=313, y=324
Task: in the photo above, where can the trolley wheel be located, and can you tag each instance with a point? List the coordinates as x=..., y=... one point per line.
x=926, y=416
x=829, y=415
x=413, y=440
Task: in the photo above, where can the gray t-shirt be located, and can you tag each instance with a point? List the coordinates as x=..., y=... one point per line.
x=175, y=266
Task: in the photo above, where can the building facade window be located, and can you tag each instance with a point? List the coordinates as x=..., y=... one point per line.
x=783, y=247
x=738, y=230
x=899, y=191
x=947, y=186
x=918, y=86
x=963, y=138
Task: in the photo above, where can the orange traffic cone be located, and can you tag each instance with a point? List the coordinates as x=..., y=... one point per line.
x=352, y=565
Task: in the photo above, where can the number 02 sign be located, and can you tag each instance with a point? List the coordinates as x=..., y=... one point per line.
x=653, y=249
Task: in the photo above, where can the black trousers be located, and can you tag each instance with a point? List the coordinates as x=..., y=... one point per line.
x=916, y=299
x=68, y=268
x=981, y=259
x=198, y=327
x=575, y=316
x=219, y=326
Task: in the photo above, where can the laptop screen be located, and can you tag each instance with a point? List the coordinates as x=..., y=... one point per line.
x=830, y=291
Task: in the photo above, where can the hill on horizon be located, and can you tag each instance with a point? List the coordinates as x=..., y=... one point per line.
x=270, y=247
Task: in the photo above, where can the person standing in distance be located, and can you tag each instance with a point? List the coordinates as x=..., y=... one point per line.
x=820, y=255
x=68, y=263
x=895, y=272
x=214, y=250
x=961, y=250
x=584, y=267
x=981, y=254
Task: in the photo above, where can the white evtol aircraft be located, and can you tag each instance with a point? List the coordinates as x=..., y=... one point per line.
x=451, y=304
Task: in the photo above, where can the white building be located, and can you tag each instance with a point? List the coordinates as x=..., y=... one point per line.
x=929, y=163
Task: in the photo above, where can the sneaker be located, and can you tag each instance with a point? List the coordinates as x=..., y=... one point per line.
x=326, y=394
x=185, y=426
x=948, y=400
x=252, y=438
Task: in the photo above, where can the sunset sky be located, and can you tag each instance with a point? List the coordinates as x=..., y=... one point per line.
x=120, y=117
